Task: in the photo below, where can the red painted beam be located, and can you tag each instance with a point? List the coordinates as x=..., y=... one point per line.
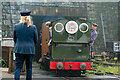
x=66, y=65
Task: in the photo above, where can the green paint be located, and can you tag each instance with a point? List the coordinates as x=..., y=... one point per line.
x=70, y=52
x=64, y=36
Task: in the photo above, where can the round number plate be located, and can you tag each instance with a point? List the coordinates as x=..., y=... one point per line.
x=71, y=27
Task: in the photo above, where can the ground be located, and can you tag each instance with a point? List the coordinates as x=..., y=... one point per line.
x=39, y=74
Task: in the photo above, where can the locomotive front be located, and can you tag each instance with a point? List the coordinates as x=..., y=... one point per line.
x=70, y=46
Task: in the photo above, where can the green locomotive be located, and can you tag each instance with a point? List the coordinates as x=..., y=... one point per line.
x=70, y=45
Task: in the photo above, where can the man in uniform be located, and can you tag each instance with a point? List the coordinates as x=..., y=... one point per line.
x=25, y=37
x=93, y=36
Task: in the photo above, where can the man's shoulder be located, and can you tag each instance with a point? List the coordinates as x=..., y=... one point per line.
x=95, y=32
x=18, y=24
x=33, y=26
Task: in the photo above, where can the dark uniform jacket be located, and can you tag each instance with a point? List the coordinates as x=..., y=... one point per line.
x=25, y=38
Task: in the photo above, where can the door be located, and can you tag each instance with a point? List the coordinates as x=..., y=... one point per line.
x=45, y=38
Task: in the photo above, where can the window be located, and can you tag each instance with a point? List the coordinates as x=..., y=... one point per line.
x=83, y=27
x=59, y=27
x=116, y=47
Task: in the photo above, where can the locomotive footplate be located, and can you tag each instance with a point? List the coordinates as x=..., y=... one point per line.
x=70, y=64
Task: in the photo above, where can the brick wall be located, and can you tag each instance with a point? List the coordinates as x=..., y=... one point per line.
x=10, y=16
